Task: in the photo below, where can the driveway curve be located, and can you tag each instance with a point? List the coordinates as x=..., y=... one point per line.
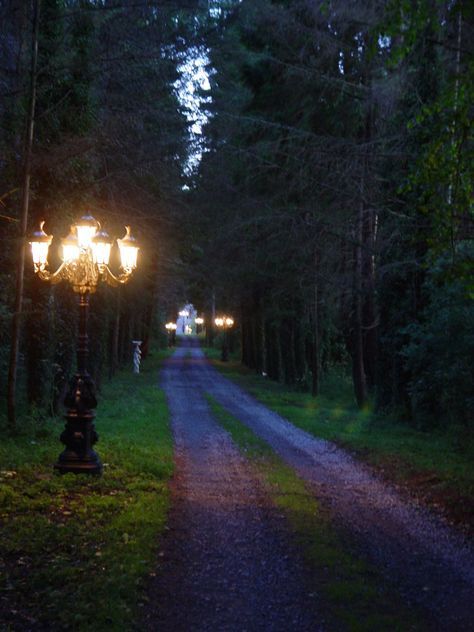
x=228, y=538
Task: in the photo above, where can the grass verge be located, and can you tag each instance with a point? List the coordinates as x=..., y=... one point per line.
x=434, y=466
x=76, y=550
x=353, y=591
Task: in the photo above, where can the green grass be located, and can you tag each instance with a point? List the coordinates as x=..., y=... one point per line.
x=436, y=466
x=352, y=590
x=76, y=550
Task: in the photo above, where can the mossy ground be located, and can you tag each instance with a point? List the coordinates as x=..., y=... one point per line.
x=76, y=550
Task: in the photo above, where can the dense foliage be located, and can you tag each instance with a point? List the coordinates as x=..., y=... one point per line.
x=336, y=196
x=109, y=139
x=331, y=211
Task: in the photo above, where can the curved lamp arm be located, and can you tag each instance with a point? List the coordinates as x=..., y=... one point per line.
x=114, y=280
x=52, y=277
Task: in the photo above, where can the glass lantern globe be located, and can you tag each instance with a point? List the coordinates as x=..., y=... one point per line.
x=128, y=250
x=70, y=247
x=101, y=245
x=86, y=229
x=40, y=243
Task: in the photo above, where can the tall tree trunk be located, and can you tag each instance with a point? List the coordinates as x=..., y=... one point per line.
x=115, y=338
x=358, y=372
x=454, y=125
x=364, y=343
x=287, y=347
x=370, y=314
x=123, y=338
x=259, y=334
x=271, y=352
x=152, y=293
x=210, y=322
x=38, y=344
x=358, y=363
x=315, y=351
x=246, y=333
x=25, y=201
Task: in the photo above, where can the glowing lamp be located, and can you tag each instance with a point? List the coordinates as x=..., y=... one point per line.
x=85, y=254
x=86, y=229
x=128, y=250
x=199, y=321
x=101, y=244
x=70, y=247
x=40, y=243
x=224, y=321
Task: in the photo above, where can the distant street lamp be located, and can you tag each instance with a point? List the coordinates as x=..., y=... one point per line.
x=85, y=255
x=224, y=322
x=199, y=321
x=171, y=329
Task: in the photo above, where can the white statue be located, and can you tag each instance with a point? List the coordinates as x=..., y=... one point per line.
x=137, y=355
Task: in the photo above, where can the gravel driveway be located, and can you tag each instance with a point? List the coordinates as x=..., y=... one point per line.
x=228, y=562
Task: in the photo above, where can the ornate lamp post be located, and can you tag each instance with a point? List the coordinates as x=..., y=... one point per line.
x=85, y=256
x=224, y=322
x=171, y=329
x=199, y=322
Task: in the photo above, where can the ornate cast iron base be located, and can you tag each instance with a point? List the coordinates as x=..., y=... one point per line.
x=79, y=434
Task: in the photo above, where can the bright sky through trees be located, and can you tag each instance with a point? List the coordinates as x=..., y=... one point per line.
x=191, y=88
x=193, y=82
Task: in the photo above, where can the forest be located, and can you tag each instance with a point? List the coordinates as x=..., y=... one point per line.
x=303, y=165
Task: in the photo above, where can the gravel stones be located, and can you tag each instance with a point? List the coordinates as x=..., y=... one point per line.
x=227, y=562
x=431, y=564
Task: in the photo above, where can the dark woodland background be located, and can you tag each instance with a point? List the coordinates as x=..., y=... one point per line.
x=331, y=212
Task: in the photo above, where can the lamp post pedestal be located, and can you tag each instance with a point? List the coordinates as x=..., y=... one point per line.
x=171, y=329
x=225, y=322
x=79, y=434
x=225, y=346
